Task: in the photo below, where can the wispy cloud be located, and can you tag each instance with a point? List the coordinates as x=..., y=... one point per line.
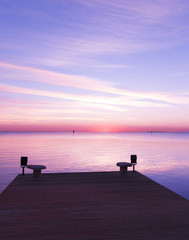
x=135, y=99
x=106, y=28
x=46, y=76
x=151, y=10
x=109, y=66
x=120, y=96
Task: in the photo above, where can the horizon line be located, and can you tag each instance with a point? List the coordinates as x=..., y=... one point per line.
x=158, y=131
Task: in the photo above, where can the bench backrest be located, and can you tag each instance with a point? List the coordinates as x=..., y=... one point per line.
x=134, y=159
x=23, y=161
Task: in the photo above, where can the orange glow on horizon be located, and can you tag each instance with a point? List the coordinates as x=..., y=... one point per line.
x=34, y=127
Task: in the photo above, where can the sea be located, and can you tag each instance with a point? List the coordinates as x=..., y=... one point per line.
x=163, y=157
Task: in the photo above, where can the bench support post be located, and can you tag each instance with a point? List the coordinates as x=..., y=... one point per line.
x=23, y=170
x=123, y=170
x=37, y=172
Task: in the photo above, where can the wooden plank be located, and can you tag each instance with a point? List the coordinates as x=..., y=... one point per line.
x=101, y=205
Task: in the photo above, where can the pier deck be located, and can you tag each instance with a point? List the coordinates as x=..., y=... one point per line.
x=101, y=205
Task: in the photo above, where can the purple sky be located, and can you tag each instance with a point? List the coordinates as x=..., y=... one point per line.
x=98, y=65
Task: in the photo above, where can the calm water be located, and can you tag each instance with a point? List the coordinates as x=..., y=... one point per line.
x=164, y=157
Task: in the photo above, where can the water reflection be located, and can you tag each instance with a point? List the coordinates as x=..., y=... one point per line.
x=162, y=157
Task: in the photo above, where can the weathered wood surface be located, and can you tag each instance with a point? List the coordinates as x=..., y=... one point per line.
x=91, y=206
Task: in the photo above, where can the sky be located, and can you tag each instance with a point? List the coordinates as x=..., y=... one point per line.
x=98, y=65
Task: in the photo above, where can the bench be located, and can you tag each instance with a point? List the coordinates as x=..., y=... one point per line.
x=124, y=165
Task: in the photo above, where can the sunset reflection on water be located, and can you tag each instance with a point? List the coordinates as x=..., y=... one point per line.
x=161, y=156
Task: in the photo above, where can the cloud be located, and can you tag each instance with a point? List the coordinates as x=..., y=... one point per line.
x=46, y=76
x=107, y=66
x=119, y=96
x=105, y=28
x=109, y=101
x=136, y=8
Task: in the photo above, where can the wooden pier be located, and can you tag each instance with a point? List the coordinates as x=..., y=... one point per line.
x=84, y=206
